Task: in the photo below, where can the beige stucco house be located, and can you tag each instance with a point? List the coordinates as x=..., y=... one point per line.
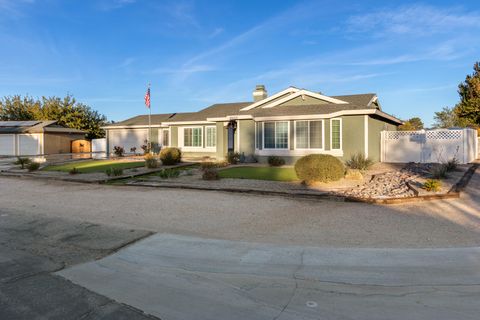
x=291, y=123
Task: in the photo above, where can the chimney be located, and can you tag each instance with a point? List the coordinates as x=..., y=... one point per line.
x=259, y=93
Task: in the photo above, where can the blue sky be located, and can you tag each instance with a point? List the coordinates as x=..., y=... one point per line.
x=195, y=53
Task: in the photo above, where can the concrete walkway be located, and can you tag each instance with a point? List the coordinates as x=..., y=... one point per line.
x=180, y=277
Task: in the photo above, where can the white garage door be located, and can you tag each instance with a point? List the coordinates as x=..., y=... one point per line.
x=7, y=145
x=28, y=144
x=128, y=138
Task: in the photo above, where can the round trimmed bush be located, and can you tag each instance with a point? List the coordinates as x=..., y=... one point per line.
x=170, y=156
x=319, y=168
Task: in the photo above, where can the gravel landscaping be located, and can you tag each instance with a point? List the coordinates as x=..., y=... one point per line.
x=382, y=181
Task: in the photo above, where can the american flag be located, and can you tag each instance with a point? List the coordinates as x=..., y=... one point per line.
x=147, y=98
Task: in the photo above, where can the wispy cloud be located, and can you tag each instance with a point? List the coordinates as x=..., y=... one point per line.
x=108, y=5
x=215, y=33
x=127, y=62
x=13, y=8
x=185, y=70
x=412, y=20
x=423, y=89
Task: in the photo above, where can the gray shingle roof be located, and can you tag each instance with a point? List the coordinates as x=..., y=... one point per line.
x=34, y=126
x=220, y=110
x=358, y=99
x=143, y=120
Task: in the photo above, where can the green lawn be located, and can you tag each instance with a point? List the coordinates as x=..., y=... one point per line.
x=95, y=165
x=260, y=173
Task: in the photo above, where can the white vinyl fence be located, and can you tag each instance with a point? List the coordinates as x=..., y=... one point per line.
x=99, y=145
x=429, y=146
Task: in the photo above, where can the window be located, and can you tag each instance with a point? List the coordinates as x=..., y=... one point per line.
x=192, y=137
x=211, y=136
x=309, y=134
x=336, y=134
x=165, y=137
x=275, y=135
x=258, y=135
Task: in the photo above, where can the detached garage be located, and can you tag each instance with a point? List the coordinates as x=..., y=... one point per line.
x=31, y=138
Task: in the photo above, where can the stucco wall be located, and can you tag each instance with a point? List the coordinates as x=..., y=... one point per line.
x=353, y=138
x=247, y=137
x=375, y=127
x=221, y=141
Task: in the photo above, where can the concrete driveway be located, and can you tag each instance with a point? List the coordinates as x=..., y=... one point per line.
x=178, y=277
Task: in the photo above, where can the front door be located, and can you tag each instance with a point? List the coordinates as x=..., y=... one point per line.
x=231, y=128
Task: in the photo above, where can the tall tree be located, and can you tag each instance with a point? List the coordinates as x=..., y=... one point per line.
x=66, y=111
x=18, y=108
x=468, y=108
x=412, y=124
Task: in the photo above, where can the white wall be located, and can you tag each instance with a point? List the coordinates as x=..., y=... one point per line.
x=429, y=146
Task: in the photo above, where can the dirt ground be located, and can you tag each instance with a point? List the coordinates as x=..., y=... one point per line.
x=440, y=223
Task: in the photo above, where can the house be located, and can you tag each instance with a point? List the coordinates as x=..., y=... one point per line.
x=291, y=123
x=28, y=138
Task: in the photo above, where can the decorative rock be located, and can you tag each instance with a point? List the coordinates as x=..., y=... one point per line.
x=353, y=174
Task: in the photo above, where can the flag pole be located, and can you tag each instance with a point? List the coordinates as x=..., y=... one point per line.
x=150, y=125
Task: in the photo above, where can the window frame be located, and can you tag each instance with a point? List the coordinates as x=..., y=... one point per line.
x=308, y=135
x=206, y=137
x=275, y=135
x=331, y=134
x=201, y=139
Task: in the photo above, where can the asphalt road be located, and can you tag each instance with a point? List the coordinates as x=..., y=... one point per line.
x=442, y=223
x=33, y=247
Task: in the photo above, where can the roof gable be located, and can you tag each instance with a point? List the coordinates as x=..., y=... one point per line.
x=289, y=94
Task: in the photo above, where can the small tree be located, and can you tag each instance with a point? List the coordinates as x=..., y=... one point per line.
x=447, y=118
x=412, y=124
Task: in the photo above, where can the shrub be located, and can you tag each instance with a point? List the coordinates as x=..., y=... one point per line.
x=432, y=185
x=233, y=157
x=118, y=151
x=33, y=166
x=439, y=171
x=275, y=161
x=73, y=171
x=208, y=165
x=114, y=172
x=170, y=156
x=145, y=148
x=151, y=161
x=22, y=162
x=168, y=173
x=319, y=167
x=133, y=150
x=452, y=164
x=359, y=161
x=210, y=174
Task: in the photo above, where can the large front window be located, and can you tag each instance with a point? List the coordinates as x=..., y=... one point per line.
x=192, y=137
x=275, y=135
x=309, y=134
